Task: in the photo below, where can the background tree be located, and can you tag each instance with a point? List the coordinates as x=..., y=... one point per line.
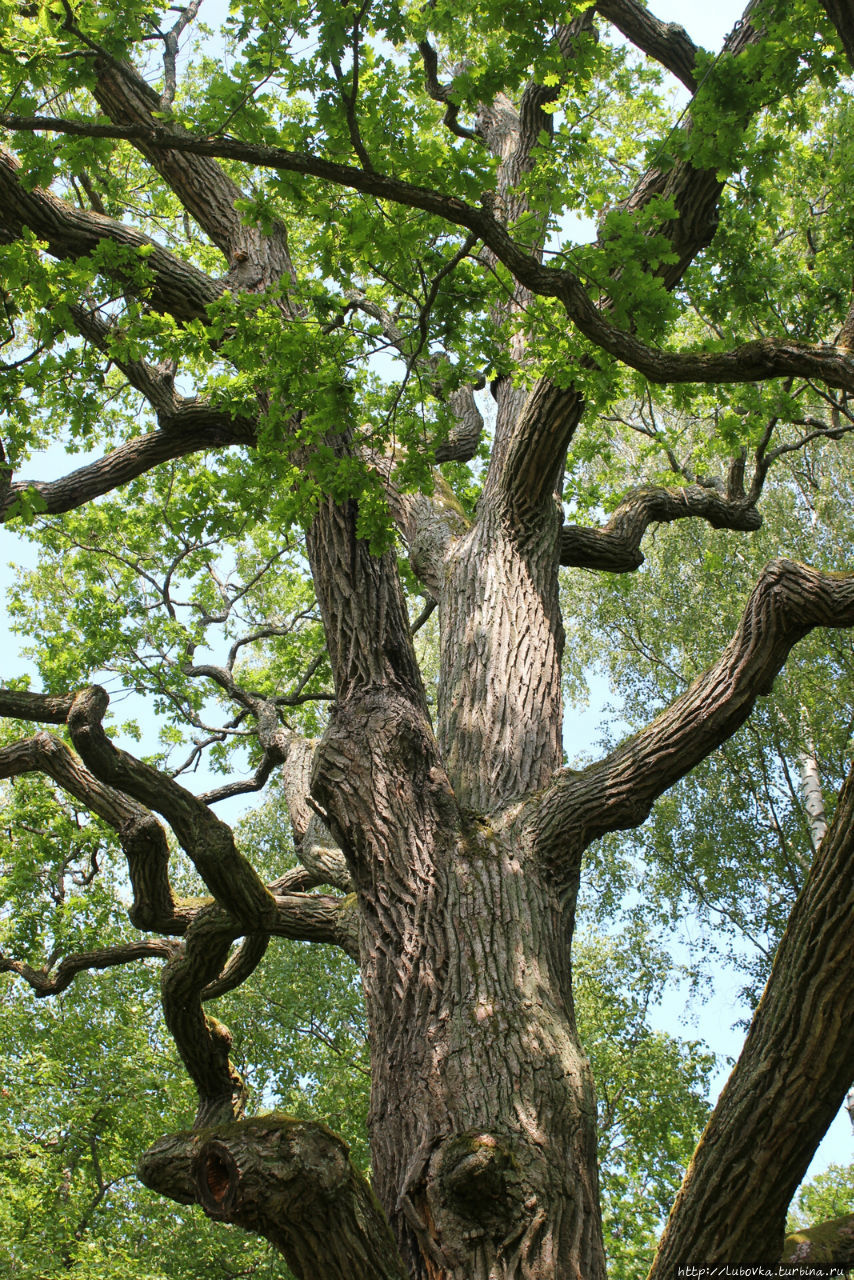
x=204, y=281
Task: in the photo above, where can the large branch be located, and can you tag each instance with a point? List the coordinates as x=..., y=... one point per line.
x=175, y=286
x=202, y=971
x=751, y=362
x=288, y=1180
x=21, y=704
x=364, y=612
x=615, y=547
x=256, y=260
x=526, y=467
x=208, y=841
x=667, y=42
x=618, y=792
x=787, y=1086
x=194, y=428
x=202, y=1041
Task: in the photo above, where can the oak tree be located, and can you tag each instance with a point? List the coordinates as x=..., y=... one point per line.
x=313, y=307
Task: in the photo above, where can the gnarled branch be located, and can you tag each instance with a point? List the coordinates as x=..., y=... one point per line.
x=617, y=793
x=44, y=983
x=208, y=841
x=615, y=548
x=142, y=838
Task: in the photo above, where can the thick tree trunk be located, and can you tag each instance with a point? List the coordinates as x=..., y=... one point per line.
x=483, y=1108
x=483, y=1111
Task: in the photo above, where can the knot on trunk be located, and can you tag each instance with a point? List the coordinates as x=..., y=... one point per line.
x=475, y=1172
x=476, y=1186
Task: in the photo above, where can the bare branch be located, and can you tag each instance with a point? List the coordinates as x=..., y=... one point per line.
x=170, y=52
x=425, y=614
x=46, y=984
x=615, y=548
x=257, y=782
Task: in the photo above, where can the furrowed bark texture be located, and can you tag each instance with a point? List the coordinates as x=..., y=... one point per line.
x=502, y=641
x=288, y=1180
x=483, y=1113
x=789, y=1082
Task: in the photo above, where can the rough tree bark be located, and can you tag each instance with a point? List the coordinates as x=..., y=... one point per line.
x=461, y=842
